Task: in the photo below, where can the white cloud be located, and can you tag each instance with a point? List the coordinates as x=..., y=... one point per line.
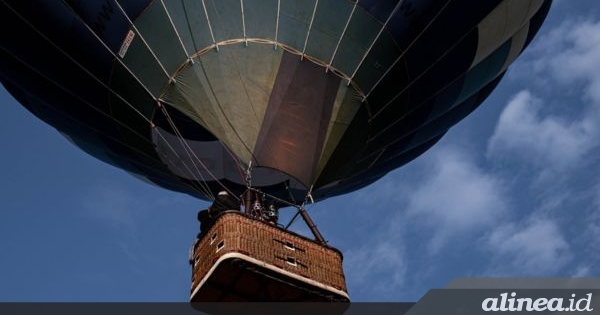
x=375, y=254
x=560, y=143
x=571, y=54
x=536, y=247
x=457, y=198
x=448, y=197
x=377, y=266
x=548, y=142
x=567, y=58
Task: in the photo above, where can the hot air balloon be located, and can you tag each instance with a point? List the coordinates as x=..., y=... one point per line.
x=293, y=100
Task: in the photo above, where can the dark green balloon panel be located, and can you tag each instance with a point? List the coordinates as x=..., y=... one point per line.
x=325, y=96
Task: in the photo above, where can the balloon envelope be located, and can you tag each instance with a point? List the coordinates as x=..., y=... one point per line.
x=293, y=96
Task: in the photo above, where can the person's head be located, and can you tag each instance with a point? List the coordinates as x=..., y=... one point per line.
x=223, y=193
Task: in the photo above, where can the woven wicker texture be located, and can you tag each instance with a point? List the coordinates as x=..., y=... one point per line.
x=235, y=232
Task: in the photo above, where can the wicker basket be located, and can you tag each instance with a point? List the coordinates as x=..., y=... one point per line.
x=243, y=259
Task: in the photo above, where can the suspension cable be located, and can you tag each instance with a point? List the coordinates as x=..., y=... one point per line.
x=184, y=144
x=404, y=53
x=236, y=160
x=312, y=19
x=189, y=149
x=76, y=121
x=209, y=26
x=287, y=187
x=219, y=22
x=364, y=57
x=342, y=35
x=283, y=201
x=176, y=32
x=178, y=134
x=60, y=86
x=205, y=190
x=100, y=81
x=143, y=39
x=243, y=22
x=277, y=24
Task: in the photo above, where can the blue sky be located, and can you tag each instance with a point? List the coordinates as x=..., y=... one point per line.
x=512, y=190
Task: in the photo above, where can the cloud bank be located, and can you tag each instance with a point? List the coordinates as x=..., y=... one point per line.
x=525, y=204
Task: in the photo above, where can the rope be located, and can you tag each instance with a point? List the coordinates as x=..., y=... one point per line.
x=287, y=187
x=183, y=142
x=405, y=51
x=306, y=198
x=212, y=91
x=197, y=184
x=209, y=26
x=342, y=35
x=191, y=32
x=220, y=106
x=408, y=113
x=105, y=46
x=400, y=119
x=176, y=32
x=295, y=217
x=287, y=203
x=312, y=19
x=243, y=21
x=375, y=39
x=198, y=187
x=96, y=78
x=237, y=69
x=237, y=161
x=185, y=147
x=96, y=109
x=292, y=220
x=277, y=23
x=80, y=66
x=143, y=39
x=414, y=81
x=72, y=118
x=287, y=48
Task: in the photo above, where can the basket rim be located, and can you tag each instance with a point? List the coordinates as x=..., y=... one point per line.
x=257, y=262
